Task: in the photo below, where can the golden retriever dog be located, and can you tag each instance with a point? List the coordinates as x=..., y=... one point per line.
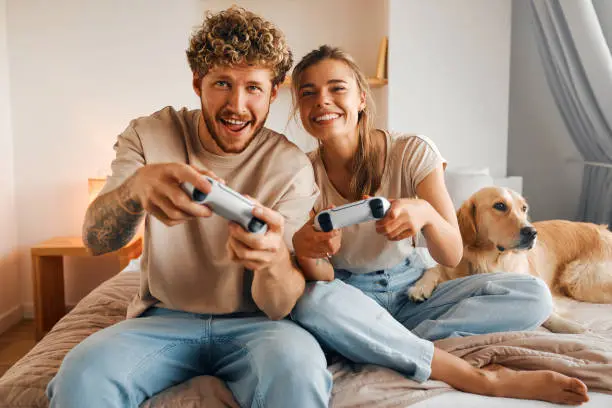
x=573, y=258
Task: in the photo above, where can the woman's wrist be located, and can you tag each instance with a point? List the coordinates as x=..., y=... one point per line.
x=299, y=251
x=296, y=245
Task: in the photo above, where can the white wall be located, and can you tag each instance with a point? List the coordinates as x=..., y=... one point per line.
x=539, y=144
x=10, y=299
x=80, y=70
x=449, y=77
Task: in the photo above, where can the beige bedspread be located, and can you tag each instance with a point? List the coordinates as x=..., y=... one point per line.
x=587, y=356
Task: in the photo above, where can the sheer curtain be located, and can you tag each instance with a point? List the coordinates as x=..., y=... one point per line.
x=578, y=65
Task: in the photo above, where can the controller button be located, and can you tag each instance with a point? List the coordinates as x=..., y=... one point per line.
x=198, y=195
x=325, y=222
x=383, y=282
x=407, y=262
x=256, y=224
x=376, y=206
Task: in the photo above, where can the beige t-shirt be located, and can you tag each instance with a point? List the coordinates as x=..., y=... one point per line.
x=409, y=159
x=187, y=266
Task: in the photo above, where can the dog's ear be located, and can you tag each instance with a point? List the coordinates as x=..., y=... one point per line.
x=466, y=215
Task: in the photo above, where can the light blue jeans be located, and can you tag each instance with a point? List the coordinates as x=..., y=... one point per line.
x=368, y=318
x=264, y=363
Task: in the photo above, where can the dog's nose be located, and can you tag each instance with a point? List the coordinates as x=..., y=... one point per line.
x=528, y=232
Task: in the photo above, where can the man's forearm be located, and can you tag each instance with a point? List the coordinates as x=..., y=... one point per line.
x=277, y=289
x=112, y=219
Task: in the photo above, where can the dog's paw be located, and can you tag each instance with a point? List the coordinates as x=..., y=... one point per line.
x=420, y=292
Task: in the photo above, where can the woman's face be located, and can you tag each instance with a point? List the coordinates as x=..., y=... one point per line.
x=329, y=100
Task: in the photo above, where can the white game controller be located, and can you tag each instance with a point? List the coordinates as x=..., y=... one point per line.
x=227, y=203
x=373, y=208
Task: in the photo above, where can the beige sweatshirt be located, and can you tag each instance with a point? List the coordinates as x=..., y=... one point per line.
x=187, y=267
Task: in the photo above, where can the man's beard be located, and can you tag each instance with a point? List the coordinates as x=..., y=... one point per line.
x=208, y=120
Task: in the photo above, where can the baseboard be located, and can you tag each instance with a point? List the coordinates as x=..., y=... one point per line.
x=28, y=310
x=11, y=318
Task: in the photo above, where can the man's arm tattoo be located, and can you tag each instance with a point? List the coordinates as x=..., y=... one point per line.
x=111, y=220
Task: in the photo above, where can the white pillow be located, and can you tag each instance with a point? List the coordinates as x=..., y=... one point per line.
x=462, y=185
x=469, y=170
x=133, y=265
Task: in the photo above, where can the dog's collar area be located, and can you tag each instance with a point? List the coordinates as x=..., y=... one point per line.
x=515, y=248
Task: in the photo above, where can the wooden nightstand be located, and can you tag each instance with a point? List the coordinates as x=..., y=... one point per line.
x=48, y=276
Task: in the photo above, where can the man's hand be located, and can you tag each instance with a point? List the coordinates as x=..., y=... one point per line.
x=277, y=283
x=260, y=251
x=111, y=219
x=310, y=243
x=157, y=189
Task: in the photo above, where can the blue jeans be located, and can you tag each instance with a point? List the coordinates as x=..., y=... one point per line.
x=264, y=363
x=368, y=318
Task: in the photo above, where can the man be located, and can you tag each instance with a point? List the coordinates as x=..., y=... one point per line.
x=199, y=311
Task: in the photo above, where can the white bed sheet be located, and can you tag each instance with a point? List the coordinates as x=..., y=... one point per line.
x=457, y=399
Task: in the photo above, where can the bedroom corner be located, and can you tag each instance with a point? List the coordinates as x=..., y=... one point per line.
x=11, y=310
x=10, y=289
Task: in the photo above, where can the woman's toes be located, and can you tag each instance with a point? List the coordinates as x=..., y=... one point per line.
x=578, y=387
x=574, y=399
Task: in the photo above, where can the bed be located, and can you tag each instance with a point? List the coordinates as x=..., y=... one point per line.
x=588, y=356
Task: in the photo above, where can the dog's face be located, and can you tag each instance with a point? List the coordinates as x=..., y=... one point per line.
x=496, y=216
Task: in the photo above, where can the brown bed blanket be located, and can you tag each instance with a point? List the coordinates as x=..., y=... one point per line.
x=586, y=356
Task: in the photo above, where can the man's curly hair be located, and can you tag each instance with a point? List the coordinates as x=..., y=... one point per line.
x=236, y=36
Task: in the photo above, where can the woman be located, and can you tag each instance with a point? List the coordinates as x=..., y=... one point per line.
x=358, y=305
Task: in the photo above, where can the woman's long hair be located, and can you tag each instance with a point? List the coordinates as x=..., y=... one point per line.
x=366, y=172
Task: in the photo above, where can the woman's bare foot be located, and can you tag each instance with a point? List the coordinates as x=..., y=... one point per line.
x=498, y=381
x=540, y=385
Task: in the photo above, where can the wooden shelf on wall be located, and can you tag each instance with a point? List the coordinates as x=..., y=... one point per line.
x=377, y=81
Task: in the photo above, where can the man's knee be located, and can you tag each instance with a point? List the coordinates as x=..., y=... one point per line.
x=294, y=361
x=293, y=347
x=86, y=374
x=301, y=365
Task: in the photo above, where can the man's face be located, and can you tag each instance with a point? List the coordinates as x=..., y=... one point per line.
x=235, y=104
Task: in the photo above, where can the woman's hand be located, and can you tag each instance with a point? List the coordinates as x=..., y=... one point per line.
x=404, y=219
x=310, y=243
